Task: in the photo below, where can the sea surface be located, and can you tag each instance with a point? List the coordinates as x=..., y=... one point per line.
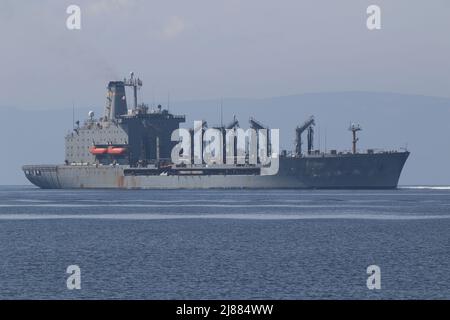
x=225, y=244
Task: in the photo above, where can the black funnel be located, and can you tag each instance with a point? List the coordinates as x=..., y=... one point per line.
x=117, y=98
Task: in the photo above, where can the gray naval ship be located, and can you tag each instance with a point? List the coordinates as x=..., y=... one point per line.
x=133, y=149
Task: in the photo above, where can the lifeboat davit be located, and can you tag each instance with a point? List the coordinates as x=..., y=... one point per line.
x=116, y=150
x=97, y=150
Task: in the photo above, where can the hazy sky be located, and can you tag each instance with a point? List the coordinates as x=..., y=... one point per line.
x=212, y=48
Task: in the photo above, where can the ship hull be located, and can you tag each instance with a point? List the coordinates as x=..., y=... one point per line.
x=346, y=171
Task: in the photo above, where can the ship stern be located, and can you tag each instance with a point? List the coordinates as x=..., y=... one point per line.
x=42, y=176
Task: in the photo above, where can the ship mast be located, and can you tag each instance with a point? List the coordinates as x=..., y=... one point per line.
x=136, y=83
x=354, y=128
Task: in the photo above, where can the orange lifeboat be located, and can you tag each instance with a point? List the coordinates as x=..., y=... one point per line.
x=116, y=150
x=96, y=150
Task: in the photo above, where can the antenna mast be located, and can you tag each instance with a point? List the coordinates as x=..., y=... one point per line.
x=221, y=112
x=168, y=101
x=354, y=128
x=136, y=83
x=73, y=115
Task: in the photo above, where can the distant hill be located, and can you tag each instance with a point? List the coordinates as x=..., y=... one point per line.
x=388, y=120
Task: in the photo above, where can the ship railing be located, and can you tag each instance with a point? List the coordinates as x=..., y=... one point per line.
x=219, y=165
x=331, y=153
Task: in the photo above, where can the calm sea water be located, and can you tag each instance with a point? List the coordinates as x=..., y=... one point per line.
x=236, y=244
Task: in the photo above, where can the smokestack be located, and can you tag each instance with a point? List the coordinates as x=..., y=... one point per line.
x=117, y=99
